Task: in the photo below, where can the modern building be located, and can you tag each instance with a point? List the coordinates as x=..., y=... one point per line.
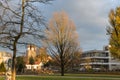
x=98, y=60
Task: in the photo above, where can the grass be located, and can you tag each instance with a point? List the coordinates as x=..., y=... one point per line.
x=94, y=75
x=69, y=77
x=48, y=78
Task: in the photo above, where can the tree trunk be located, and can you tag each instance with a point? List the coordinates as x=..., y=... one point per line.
x=15, y=43
x=14, y=64
x=62, y=69
x=62, y=65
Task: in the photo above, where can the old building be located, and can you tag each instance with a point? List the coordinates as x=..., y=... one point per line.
x=31, y=52
x=39, y=55
x=4, y=56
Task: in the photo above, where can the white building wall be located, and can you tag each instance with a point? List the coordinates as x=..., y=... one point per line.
x=112, y=62
x=4, y=57
x=35, y=66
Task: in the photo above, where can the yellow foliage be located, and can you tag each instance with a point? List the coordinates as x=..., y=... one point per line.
x=114, y=18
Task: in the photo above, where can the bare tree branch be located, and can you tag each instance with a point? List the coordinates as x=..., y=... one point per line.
x=20, y=22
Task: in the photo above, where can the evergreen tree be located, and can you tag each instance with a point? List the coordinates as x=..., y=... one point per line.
x=20, y=66
x=31, y=60
x=2, y=67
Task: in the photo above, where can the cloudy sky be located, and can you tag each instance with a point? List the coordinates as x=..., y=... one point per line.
x=90, y=17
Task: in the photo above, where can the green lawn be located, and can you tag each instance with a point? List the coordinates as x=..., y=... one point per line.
x=48, y=78
x=95, y=75
x=70, y=77
x=53, y=78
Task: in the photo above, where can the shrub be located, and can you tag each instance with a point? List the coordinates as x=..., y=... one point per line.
x=2, y=67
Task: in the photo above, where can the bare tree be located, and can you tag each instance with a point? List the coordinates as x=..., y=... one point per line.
x=62, y=40
x=20, y=22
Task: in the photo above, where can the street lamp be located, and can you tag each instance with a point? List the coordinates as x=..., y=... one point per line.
x=109, y=46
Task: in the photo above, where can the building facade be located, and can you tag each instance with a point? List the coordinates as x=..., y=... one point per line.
x=36, y=66
x=98, y=60
x=31, y=52
x=4, y=57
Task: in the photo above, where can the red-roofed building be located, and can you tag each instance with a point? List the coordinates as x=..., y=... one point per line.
x=39, y=55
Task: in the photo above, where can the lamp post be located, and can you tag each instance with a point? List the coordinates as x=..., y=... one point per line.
x=109, y=46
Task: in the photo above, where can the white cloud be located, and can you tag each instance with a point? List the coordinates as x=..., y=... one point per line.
x=90, y=17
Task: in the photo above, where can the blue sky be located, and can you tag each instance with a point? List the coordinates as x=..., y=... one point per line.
x=90, y=17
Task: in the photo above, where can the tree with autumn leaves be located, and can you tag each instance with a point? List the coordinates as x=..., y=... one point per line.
x=62, y=39
x=114, y=32
x=42, y=55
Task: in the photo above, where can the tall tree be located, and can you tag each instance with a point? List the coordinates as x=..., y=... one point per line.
x=20, y=21
x=62, y=39
x=114, y=32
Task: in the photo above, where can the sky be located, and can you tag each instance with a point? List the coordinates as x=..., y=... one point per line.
x=90, y=18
